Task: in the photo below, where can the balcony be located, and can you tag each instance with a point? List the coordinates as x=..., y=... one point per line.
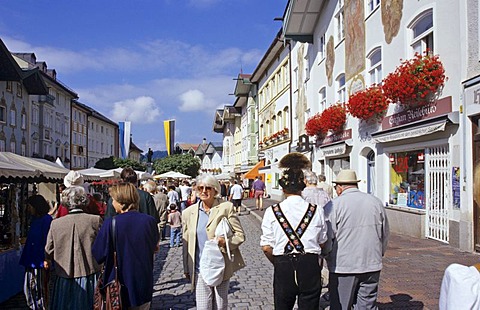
x=46, y=99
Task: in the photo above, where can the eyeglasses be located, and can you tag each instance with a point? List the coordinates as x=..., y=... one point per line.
x=201, y=188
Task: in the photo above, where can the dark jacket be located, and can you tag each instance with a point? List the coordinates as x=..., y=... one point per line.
x=147, y=206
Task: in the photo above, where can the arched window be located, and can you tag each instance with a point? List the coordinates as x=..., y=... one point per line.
x=279, y=121
x=422, y=32
x=375, y=66
x=285, y=120
x=341, y=88
x=322, y=99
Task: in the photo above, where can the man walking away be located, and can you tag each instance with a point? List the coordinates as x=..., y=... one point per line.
x=258, y=192
x=358, y=238
x=185, y=191
x=293, y=233
x=236, y=193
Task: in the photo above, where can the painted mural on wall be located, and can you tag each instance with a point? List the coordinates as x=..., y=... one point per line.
x=392, y=11
x=330, y=61
x=354, y=38
x=302, y=98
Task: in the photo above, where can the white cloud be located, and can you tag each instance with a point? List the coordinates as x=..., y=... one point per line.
x=142, y=109
x=194, y=100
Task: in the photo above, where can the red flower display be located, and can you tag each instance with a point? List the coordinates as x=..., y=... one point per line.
x=368, y=103
x=415, y=81
x=333, y=118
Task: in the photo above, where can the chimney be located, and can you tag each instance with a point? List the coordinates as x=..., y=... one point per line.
x=204, y=142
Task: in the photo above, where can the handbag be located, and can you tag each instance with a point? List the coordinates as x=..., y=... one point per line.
x=109, y=296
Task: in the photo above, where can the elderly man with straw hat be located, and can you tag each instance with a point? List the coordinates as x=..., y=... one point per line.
x=358, y=238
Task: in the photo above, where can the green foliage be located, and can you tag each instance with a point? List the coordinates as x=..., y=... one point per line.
x=113, y=162
x=183, y=163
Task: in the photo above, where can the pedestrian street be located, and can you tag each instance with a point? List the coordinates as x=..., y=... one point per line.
x=250, y=287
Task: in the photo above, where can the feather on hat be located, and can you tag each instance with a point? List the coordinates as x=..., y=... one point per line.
x=295, y=160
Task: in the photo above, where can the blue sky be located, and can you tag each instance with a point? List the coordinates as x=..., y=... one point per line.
x=147, y=60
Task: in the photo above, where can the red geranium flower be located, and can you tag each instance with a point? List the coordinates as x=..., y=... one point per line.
x=368, y=103
x=415, y=81
x=333, y=118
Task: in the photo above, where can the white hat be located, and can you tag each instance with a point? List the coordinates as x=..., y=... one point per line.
x=73, y=178
x=346, y=176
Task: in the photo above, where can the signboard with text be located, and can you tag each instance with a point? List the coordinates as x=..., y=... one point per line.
x=431, y=110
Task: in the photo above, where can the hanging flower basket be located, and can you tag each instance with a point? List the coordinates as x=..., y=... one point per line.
x=416, y=81
x=368, y=104
x=333, y=118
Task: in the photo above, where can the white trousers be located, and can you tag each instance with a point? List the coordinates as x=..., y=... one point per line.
x=208, y=297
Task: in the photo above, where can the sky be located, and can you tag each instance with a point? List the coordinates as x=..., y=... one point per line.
x=147, y=61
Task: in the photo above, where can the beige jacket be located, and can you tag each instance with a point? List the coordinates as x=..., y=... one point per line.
x=69, y=244
x=218, y=211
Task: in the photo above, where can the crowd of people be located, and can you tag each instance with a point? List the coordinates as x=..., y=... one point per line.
x=83, y=238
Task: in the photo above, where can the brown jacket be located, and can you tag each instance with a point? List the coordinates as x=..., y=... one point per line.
x=189, y=229
x=69, y=244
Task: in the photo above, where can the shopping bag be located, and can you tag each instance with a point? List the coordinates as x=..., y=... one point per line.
x=212, y=263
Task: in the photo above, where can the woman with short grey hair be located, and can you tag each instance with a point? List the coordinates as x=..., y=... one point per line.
x=69, y=245
x=199, y=223
x=311, y=193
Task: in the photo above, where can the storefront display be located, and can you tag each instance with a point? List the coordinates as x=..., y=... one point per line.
x=407, y=179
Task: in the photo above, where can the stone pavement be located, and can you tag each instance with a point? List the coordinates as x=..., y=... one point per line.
x=410, y=279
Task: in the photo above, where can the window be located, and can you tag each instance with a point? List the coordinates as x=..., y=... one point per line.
x=35, y=115
x=23, y=150
x=13, y=117
x=2, y=145
x=322, y=99
x=321, y=48
x=372, y=5
x=285, y=118
x=3, y=114
x=407, y=187
x=13, y=146
x=24, y=121
x=35, y=147
x=339, y=22
x=375, y=71
x=101, y=129
x=341, y=88
x=19, y=90
x=422, y=33
x=9, y=86
x=307, y=67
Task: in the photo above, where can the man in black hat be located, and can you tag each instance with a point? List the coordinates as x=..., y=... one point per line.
x=358, y=239
x=293, y=233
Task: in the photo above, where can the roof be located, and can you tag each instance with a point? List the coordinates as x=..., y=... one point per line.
x=95, y=113
x=272, y=52
x=300, y=19
x=133, y=147
x=187, y=146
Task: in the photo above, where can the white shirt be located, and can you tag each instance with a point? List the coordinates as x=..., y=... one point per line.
x=186, y=191
x=236, y=191
x=172, y=197
x=294, y=209
x=460, y=288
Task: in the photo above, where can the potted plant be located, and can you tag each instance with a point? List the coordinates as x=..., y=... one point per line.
x=314, y=126
x=367, y=104
x=415, y=81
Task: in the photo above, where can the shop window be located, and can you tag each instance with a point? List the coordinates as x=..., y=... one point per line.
x=338, y=164
x=407, y=179
x=12, y=215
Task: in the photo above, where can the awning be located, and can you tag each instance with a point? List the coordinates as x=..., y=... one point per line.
x=14, y=165
x=253, y=173
x=410, y=131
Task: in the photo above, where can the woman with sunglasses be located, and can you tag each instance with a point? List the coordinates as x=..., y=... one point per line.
x=199, y=222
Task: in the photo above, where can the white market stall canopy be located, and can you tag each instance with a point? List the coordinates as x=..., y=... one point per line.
x=15, y=166
x=92, y=173
x=172, y=175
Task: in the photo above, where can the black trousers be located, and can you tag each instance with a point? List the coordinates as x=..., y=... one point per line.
x=296, y=276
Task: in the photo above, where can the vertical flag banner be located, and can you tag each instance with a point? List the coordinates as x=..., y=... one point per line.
x=124, y=131
x=169, y=127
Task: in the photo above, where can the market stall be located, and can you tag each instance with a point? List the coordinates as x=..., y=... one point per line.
x=19, y=177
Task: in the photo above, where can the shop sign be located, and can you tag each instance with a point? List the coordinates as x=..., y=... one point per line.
x=472, y=95
x=334, y=150
x=269, y=178
x=342, y=136
x=431, y=110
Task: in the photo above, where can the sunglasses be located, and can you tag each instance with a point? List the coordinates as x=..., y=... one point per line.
x=201, y=188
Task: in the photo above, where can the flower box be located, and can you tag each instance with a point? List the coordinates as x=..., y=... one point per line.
x=331, y=119
x=368, y=104
x=416, y=81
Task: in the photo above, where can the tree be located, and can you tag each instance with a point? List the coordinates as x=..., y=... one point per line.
x=113, y=162
x=183, y=163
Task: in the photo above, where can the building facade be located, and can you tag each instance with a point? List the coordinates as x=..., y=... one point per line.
x=79, y=135
x=103, y=138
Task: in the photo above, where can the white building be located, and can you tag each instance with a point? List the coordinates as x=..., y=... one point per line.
x=50, y=114
x=417, y=166
x=102, y=138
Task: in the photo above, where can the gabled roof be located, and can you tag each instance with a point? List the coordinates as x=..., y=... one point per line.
x=187, y=146
x=133, y=147
x=34, y=82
